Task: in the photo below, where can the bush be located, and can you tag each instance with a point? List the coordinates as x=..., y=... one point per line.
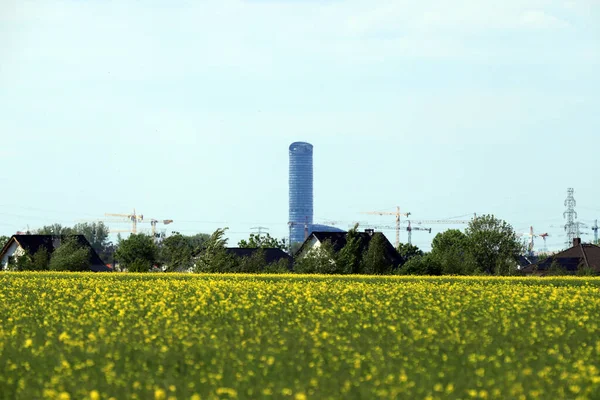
x=137, y=253
x=70, y=256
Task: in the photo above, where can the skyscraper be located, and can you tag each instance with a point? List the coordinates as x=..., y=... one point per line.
x=301, y=190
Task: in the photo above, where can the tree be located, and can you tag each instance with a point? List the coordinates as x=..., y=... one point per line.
x=197, y=241
x=374, y=260
x=177, y=252
x=70, y=256
x=41, y=260
x=262, y=241
x=137, y=253
x=97, y=234
x=3, y=241
x=214, y=257
x=55, y=230
x=349, y=258
x=451, y=251
x=421, y=265
x=252, y=264
x=408, y=251
x=494, y=245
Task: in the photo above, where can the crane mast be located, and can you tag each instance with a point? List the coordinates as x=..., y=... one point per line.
x=397, y=214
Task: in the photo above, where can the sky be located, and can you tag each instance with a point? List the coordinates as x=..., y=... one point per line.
x=185, y=110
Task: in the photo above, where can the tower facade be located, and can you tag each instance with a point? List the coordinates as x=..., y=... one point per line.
x=301, y=190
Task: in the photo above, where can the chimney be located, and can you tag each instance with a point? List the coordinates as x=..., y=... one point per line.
x=370, y=231
x=576, y=242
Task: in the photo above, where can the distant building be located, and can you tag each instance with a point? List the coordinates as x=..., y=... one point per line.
x=338, y=241
x=300, y=190
x=581, y=255
x=19, y=245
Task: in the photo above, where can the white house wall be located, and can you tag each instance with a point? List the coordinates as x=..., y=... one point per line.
x=14, y=250
x=312, y=245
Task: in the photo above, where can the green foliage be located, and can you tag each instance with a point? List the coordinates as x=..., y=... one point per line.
x=408, y=251
x=137, y=253
x=214, y=257
x=451, y=251
x=20, y=263
x=262, y=241
x=374, y=260
x=493, y=244
x=280, y=267
x=421, y=265
x=177, y=253
x=320, y=260
x=3, y=241
x=41, y=260
x=70, y=256
x=97, y=234
x=586, y=271
x=252, y=264
x=349, y=258
x=55, y=230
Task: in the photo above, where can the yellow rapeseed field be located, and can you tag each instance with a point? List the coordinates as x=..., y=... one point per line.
x=174, y=336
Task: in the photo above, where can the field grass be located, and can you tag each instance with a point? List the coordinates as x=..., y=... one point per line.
x=161, y=336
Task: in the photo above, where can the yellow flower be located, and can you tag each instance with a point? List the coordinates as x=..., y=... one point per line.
x=160, y=394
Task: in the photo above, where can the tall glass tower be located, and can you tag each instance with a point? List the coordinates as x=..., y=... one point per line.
x=301, y=190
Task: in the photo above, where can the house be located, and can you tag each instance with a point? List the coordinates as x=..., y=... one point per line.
x=525, y=261
x=338, y=241
x=19, y=245
x=581, y=255
x=272, y=255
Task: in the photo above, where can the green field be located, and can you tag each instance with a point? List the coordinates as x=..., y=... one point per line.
x=287, y=336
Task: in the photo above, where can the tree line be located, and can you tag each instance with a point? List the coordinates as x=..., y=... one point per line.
x=488, y=246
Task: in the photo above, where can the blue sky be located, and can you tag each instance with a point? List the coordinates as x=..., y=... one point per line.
x=185, y=110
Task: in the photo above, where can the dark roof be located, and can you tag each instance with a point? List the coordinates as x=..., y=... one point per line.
x=32, y=243
x=524, y=261
x=582, y=254
x=338, y=241
x=272, y=255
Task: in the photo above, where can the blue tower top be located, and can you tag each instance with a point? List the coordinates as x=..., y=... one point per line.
x=301, y=189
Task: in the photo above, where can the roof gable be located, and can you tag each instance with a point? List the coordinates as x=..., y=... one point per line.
x=339, y=239
x=571, y=259
x=33, y=243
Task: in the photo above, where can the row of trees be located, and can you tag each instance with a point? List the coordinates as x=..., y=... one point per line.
x=69, y=256
x=198, y=253
x=488, y=246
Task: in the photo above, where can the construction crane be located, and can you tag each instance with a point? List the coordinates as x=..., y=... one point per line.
x=410, y=228
x=153, y=223
x=134, y=218
x=397, y=214
x=531, y=236
x=544, y=236
x=137, y=219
